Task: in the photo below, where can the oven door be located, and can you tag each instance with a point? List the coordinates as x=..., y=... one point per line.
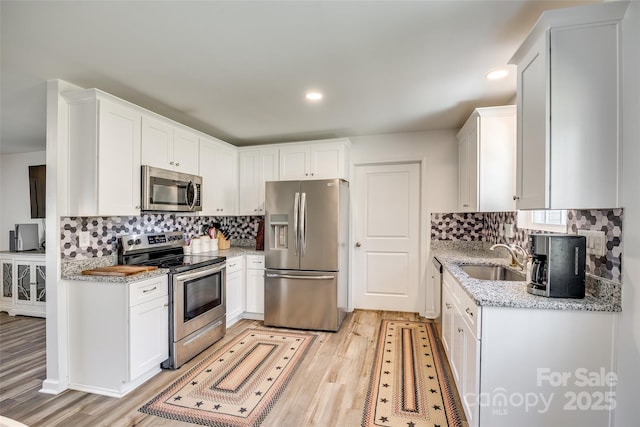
x=198, y=299
x=165, y=190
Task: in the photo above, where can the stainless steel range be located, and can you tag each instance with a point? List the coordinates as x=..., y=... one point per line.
x=197, y=300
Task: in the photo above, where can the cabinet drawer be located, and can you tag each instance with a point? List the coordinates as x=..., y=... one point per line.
x=234, y=264
x=255, y=261
x=147, y=290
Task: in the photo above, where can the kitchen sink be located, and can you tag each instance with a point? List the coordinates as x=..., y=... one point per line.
x=492, y=272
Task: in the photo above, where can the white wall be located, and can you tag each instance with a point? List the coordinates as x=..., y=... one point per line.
x=628, y=392
x=440, y=149
x=14, y=186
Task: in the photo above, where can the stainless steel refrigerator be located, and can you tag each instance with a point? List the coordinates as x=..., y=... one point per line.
x=306, y=242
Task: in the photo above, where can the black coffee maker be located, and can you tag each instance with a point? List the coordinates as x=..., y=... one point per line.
x=558, y=265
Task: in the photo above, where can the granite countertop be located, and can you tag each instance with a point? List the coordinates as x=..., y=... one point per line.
x=234, y=251
x=499, y=293
x=71, y=270
x=118, y=279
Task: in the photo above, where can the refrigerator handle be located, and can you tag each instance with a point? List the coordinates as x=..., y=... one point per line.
x=303, y=223
x=293, y=276
x=296, y=207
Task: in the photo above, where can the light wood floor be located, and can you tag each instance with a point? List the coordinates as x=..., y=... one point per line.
x=328, y=389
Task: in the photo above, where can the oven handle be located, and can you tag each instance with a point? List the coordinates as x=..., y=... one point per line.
x=204, y=271
x=292, y=276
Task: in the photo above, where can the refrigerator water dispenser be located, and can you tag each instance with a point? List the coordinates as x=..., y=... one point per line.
x=279, y=227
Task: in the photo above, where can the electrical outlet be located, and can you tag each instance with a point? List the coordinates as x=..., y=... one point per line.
x=596, y=242
x=84, y=239
x=509, y=230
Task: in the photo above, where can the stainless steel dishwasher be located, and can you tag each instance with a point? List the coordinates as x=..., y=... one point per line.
x=436, y=279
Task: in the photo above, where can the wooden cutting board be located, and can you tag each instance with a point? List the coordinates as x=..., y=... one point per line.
x=119, y=270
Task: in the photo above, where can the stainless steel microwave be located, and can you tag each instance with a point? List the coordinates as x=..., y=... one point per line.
x=170, y=191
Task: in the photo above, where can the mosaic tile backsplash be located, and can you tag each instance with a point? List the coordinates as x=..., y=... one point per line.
x=105, y=231
x=486, y=227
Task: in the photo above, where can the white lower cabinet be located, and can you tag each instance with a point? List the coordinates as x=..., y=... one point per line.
x=529, y=367
x=235, y=289
x=255, y=285
x=118, y=334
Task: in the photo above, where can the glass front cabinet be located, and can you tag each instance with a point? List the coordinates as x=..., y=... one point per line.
x=24, y=289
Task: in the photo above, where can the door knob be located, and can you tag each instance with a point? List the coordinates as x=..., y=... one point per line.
x=358, y=244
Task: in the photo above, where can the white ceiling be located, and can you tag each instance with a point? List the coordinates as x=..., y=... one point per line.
x=238, y=70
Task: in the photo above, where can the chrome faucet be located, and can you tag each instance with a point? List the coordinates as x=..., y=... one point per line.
x=512, y=249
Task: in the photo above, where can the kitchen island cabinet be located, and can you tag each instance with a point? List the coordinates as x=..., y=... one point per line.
x=118, y=334
x=569, y=111
x=104, y=155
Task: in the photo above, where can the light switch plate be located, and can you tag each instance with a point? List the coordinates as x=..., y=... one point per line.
x=596, y=241
x=84, y=239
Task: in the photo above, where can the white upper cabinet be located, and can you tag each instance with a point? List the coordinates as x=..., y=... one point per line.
x=169, y=147
x=219, y=171
x=256, y=168
x=314, y=160
x=104, y=155
x=569, y=79
x=486, y=160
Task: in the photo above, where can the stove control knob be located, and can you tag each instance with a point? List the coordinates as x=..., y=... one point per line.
x=130, y=242
x=138, y=241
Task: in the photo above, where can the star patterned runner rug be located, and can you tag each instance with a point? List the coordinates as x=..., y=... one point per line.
x=409, y=385
x=239, y=384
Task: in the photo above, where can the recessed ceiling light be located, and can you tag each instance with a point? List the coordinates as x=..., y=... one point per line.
x=497, y=74
x=313, y=96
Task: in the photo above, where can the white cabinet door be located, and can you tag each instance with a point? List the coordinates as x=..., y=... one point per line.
x=255, y=291
x=532, y=174
x=235, y=289
x=29, y=290
x=569, y=89
x=119, y=160
x=148, y=336
x=168, y=147
x=255, y=284
x=294, y=162
x=471, y=372
x=186, y=150
x=486, y=157
x=219, y=171
x=327, y=161
x=448, y=311
x=256, y=168
x=6, y=273
x=467, y=169
x=104, y=155
x=157, y=143
x=313, y=161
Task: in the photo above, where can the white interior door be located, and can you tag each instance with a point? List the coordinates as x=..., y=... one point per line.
x=387, y=236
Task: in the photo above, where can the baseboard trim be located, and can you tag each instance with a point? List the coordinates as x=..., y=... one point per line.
x=50, y=386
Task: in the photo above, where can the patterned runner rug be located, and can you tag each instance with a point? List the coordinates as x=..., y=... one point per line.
x=409, y=384
x=239, y=384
